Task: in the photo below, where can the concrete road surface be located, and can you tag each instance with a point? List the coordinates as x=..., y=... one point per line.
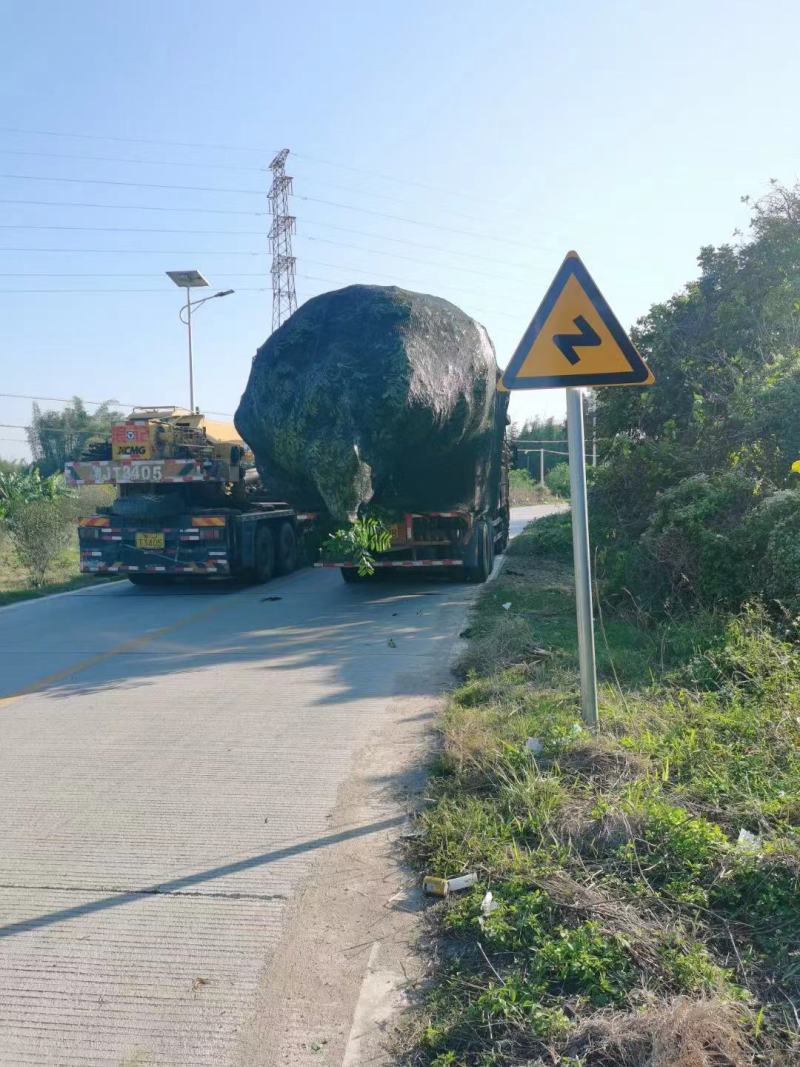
x=201, y=792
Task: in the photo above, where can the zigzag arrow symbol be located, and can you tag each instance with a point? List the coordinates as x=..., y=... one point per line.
x=566, y=343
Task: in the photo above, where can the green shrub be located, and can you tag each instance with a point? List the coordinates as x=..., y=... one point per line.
x=557, y=480
x=625, y=486
x=694, y=539
x=584, y=960
x=550, y=536
x=519, y=1000
x=671, y=847
x=781, y=560
x=355, y=543
x=39, y=531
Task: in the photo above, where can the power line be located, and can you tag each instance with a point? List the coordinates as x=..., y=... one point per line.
x=449, y=190
x=464, y=294
x=242, y=289
x=218, y=166
x=260, y=214
x=123, y=229
x=130, y=185
x=130, y=140
x=258, y=192
x=419, y=244
x=122, y=159
x=133, y=207
x=413, y=222
x=141, y=251
x=255, y=233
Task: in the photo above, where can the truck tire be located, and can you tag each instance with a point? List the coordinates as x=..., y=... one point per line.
x=484, y=556
x=285, y=549
x=501, y=544
x=265, y=554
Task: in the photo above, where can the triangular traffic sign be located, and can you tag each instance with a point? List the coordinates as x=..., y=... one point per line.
x=575, y=339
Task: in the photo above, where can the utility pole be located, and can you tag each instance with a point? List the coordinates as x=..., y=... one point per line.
x=541, y=467
x=284, y=297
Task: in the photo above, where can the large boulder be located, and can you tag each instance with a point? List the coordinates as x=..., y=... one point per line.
x=376, y=394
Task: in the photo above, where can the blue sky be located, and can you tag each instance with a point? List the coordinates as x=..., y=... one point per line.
x=497, y=136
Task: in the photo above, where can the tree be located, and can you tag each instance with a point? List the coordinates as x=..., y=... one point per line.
x=39, y=530
x=56, y=437
x=719, y=345
x=539, y=434
x=726, y=355
x=38, y=515
x=540, y=429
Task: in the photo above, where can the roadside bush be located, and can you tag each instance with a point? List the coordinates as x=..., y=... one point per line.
x=780, y=562
x=557, y=481
x=625, y=487
x=695, y=539
x=39, y=531
x=550, y=536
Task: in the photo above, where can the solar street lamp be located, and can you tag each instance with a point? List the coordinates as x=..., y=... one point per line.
x=188, y=280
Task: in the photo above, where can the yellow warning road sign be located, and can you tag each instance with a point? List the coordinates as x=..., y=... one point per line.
x=575, y=339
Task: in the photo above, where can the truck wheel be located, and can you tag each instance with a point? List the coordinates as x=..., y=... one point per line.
x=286, y=551
x=501, y=544
x=265, y=554
x=482, y=568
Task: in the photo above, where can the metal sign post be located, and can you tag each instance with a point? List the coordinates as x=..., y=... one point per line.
x=575, y=340
x=580, y=549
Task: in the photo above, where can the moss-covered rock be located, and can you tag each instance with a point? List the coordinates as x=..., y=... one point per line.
x=373, y=393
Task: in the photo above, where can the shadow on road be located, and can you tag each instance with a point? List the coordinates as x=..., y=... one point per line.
x=364, y=640
x=180, y=885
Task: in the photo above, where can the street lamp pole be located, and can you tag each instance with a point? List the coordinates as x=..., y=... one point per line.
x=191, y=359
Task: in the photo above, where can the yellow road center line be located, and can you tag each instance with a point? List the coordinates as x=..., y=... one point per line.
x=120, y=650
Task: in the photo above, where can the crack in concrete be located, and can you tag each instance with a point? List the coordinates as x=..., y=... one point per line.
x=147, y=891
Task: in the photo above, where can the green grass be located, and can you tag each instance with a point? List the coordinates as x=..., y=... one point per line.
x=630, y=926
x=64, y=576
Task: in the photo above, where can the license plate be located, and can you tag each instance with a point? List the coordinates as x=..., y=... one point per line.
x=149, y=540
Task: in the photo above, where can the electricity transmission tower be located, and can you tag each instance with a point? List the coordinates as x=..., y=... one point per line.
x=284, y=297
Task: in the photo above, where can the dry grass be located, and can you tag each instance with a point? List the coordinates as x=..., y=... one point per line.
x=702, y=1032
x=509, y=642
x=602, y=763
